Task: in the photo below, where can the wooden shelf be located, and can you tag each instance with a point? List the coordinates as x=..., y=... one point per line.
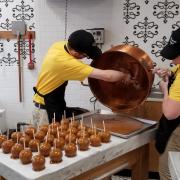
x=10, y=35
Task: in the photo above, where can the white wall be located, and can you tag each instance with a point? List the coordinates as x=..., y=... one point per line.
x=50, y=27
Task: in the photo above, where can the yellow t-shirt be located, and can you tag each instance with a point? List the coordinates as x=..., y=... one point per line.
x=174, y=92
x=59, y=66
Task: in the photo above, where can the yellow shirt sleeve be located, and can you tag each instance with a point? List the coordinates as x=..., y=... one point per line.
x=174, y=92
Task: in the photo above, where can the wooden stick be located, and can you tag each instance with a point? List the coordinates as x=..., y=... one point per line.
x=70, y=136
x=24, y=143
x=54, y=119
x=38, y=148
x=104, y=126
x=55, y=144
x=95, y=129
x=83, y=132
x=58, y=134
x=64, y=114
x=17, y=138
x=33, y=134
x=82, y=119
x=8, y=134
x=73, y=116
x=91, y=123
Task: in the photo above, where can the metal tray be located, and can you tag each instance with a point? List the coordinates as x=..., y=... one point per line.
x=146, y=124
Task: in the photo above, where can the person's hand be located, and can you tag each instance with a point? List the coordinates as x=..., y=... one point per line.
x=125, y=78
x=163, y=85
x=162, y=72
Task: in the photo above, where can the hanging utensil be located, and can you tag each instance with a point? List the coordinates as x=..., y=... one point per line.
x=31, y=63
x=19, y=66
x=18, y=29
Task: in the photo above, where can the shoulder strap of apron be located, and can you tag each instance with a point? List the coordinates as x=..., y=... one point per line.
x=36, y=92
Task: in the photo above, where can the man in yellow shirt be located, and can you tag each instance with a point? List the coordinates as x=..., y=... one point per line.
x=62, y=63
x=168, y=134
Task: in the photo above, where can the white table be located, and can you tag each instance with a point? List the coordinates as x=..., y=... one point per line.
x=129, y=151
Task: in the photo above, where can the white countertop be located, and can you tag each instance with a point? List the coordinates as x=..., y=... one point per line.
x=174, y=165
x=71, y=167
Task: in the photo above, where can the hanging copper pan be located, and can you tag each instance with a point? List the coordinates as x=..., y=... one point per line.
x=119, y=96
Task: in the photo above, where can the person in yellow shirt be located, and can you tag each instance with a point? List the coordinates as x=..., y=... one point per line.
x=168, y=133
x=62, y=63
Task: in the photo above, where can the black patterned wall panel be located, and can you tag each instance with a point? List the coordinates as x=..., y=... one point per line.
x=166, y=10
x=151, y=25
x=6, y=2
x=130, y=10
x=15, y=10
x=129, y=42
x=158, y=46
x=145, y=29
x=23, y=12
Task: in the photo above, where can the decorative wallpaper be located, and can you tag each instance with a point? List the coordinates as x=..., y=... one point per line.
x=147, y=30
x=15, y=10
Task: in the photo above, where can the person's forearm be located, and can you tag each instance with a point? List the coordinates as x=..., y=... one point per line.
x=107, y=75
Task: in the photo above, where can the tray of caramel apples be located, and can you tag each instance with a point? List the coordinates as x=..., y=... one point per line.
x=63, y=137
x=117, y=124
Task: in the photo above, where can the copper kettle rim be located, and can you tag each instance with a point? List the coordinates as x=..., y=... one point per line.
x=129, y=59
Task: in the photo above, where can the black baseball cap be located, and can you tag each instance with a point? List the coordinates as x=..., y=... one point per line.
x=172, y=49
x=84, y=42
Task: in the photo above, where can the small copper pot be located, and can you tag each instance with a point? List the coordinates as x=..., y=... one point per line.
x=120, y=96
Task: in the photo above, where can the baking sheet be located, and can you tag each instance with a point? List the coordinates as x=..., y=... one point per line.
x=118, y=124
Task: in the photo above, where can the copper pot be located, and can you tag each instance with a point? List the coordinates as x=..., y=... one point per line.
x=119, y=96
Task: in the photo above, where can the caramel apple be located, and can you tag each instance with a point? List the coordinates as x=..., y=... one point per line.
x=90, y=131
x=6, y=146
x=55, y=155
x=40, y=135
x=65, y=121
x=53, y=131
x=82, y=133
x=49, y=138
x=74, y=124
x=44, y=128
x=25, y=156
x=33, y=144
x=81, y=127
x=25, y=138
x=38, y=162
x=83, y=144
x=70, y=150
x=64, y=127
x=62, y=134
x=54, y=125
x=105, y=136
x=15, y=150
x=72, y=137
x=95, y=140
x=60, y=142
x=45, y=149
x=2, y=139
x=15, y=136
x=73, y=130
x=30, y=130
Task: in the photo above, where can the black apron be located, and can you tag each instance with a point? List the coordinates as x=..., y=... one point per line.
x=165, y=127
x=55, y=102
